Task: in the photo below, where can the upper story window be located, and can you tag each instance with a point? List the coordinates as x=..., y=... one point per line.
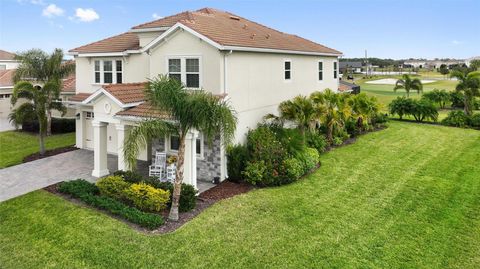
x=287, y=70
x=320, y=71
x=335, y=70
x=108, y=71
x=186, y=70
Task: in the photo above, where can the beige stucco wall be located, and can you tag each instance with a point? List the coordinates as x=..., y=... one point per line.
x=256, y=85
x=147, y=37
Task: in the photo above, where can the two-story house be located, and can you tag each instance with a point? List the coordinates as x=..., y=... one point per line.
x=253, y=66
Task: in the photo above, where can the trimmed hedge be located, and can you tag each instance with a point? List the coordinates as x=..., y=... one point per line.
x=146, y=197
x=59, y=126
x=86, y=192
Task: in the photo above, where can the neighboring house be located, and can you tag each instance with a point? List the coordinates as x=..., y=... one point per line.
x=352, y=67
x=348, y=87
x=254, y=67
x=7, y=60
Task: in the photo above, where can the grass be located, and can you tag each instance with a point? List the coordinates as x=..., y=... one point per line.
x=404, y=197
x=17, y=145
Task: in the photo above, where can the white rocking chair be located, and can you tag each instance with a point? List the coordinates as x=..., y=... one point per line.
x=158, y=167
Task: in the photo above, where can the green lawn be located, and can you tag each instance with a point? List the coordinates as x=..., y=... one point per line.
x=404, y=197
x=14, y=145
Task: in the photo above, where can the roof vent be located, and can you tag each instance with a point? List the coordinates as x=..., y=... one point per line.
x=235, y=18
x=245, y=26
x=253, y=35
x=267, y=36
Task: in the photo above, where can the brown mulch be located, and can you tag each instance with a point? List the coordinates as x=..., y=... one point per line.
x=224, y=190
x=48, y=153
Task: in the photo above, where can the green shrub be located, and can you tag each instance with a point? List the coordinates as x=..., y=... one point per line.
x=310, y=158
x=475, y=120
x=255, y=173
x=146, y=197
x=456, y=118
x=351, y=127
x=438, y=97
x=424, y=110
x=113, y=186
x=59, y=125
x=379, y=118
x=129, y=176
x=337, y=141
x=188, y=195
x=401, y=106
x=317, y=141
x=77, y=187
x=237, y=157
x=147, y=220
x=293, y=168
x=292, y=140
x=457, y=99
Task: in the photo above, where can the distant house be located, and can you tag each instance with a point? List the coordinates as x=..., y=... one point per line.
x=353, y=67
x=345, y=87
x=7, y=60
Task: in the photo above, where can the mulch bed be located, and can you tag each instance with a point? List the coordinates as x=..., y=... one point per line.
x=224, y=190
x=48, y=153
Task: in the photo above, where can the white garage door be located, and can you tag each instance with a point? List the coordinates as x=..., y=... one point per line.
x=89, y=130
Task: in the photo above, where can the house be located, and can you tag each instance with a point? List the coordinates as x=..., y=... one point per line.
x=253, y=66
x=347, y=87
x=7, y=60
x=351, y=67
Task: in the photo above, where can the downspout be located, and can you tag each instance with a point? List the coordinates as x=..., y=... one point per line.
x=223, y=151
x=225, y=71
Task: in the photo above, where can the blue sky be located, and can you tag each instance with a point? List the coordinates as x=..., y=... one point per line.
x=387, y=29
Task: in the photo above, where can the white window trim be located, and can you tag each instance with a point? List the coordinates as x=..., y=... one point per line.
x=171, y=151
x=183, y=68
x=284, y=70
x=114, y=70
x=323, y=71
x=91, y=117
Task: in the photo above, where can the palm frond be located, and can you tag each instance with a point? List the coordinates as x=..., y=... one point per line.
x=22, y=113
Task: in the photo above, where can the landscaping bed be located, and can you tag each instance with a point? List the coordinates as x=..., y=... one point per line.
x=48, y=153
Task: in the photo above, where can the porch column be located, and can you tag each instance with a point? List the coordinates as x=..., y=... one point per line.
x=121, y=135
x=190, y=165
x=80, y=129
x=100, y=168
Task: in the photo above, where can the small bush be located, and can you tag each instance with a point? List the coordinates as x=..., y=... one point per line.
x=379, y=118
x=317, y=141
x=401, y=106
x=337, y=141
x=113, y=186
x=310, y=158
x=77, y=187
x=237, y=157
x=293, y=168
x=188, y=195
x=59, y=126
x=146, y=197
x=475, y=120
x=292, y=140
x=255, y=173
x=129, y=176
x=457, y=99
x=456, y=118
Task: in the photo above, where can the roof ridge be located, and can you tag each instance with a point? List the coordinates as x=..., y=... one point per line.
x=102, y=40
x=161, y=19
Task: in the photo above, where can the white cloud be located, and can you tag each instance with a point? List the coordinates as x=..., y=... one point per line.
x=457, y=42
x=86, y=15
x=156, y=16
x=34, y=2
x=52, y=10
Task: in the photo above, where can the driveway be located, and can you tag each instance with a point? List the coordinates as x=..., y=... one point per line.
x=24, y=178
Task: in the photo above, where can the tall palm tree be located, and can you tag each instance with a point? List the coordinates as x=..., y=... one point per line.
x=300, y=110
x=39, y=67
x=469, y=84
x=36, y=107
x=408, y=84
x=334, y=110
x=187, y=110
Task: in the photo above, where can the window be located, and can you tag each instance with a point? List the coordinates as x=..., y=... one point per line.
x=185, y=70
x=108, y=71
x=288, y=70
x=335, y=70
x=5, y=96
x=174, y=144
x=118, y=68
x=89, y=115
x=320, y=71
x=3, y=66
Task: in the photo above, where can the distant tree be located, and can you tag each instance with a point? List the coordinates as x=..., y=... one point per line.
x=440, y=97
x=475, y=64
x=443, y=69
x=408, y=84
x=469, y=84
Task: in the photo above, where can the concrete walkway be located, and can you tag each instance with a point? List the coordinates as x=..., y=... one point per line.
x=24, y=178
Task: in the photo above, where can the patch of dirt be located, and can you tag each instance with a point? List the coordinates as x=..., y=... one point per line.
x=224, y=190
x=48, y=153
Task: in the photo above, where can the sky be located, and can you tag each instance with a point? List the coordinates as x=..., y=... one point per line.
x=397, y=29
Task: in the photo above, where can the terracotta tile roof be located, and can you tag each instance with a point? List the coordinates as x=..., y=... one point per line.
x=5, y=55
x=79, y=97
x=144, y=110
x=6, y=78
x=118, y=43
x=344, y=86
x=69, y=85
x=128, y=92
x=225, y=28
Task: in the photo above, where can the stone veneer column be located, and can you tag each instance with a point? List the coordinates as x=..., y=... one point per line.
x=190, y=165
x=100, y=157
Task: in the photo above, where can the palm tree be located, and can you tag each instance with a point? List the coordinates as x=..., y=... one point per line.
x=36, y=106
x=334, y=110
x=469, y=84
x=408, y=84
x=363, y=108
x=187, y=110
x=39, y=67
x=300, y=110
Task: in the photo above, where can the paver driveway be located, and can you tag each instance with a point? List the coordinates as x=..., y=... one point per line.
x=27, y=177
